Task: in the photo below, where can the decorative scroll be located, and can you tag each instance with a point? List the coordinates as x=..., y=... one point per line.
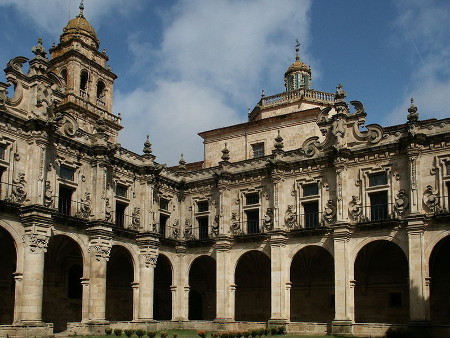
x=85, y=207
x=431, y=200
x=401, y=203
x=18, y=194
x=268, y=219
x=329, y=213
x=290, y=218
x=235, y=224
x=355, y=209
x=136, y=218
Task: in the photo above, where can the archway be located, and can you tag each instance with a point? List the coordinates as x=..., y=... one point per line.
x=63, y=270
x=119, y=279
x=312, y=292
x=202, y=294
x=381, y=274
x=8, y=264
x=162, y=297
x=252, y=278
x=440, y=282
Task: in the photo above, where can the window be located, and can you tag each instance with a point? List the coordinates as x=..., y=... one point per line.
x=252, y=198
x=202, y=206
x=120, y=214
x=2, y=152
x=395, y=299
x=121, y=190
x=448, y=194
x=65, y=200
x=252, y=221
x=378, y=205
x=377, y=179
x=310, y=189
x=164, y=204
x=258, y=150
x=64, y=75
x=448, y=168
x=162, y=224
x=311, y=214
x=202, y=227
x=100, y=90
x=67, y=173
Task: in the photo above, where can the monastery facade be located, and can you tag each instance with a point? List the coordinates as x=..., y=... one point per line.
x=303, y=216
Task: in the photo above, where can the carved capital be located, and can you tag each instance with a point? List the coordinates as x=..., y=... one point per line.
x=36, y=242
x=100, y=242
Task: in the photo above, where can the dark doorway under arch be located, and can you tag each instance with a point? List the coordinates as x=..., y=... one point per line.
x=381, y=275
x=63, y=270
x=440, y=283
x=119, y=279
x=312, y=291
x=252, y=279
x=162, y=295
x=8, y=263
x=202, y=294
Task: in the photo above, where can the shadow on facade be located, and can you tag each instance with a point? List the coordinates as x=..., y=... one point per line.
x=63, y=270
x=162, y=297
x=252, y=278
x=202, y=293
x=7, y=285
x=119, y=279
x=312, y=291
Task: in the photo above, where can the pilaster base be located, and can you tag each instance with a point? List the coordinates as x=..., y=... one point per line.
x=223, y=320
x=277, y=321
x=342, y=327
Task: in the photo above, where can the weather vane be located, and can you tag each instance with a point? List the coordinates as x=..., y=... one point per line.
x=297, y=44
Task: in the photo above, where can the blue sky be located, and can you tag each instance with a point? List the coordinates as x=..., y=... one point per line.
x=187, y=66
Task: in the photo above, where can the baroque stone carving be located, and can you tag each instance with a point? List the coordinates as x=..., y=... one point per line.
x=290, y=218
x=329, y=213
x=108, y=210
x=136, y=218
x=101, y=249
x=431, y=200
x=85, y=207
x=150, y=256
x=48, y=195
x=355, y=209
x=268, y=219
x=36, y=242
x=18, y=194
x=235, y=224
x=188, y=231
x=215, y=226
x=401, y=203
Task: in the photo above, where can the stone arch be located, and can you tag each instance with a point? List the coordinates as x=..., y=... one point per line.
x=162, y=293
x=296, y=248
x=239, y=253
x=83, y=246
x=8, y=267
x=403, y=245
x=120, y=273
x=312, y=288
x=253, y=287
x=202, y=288
x=18, y=242
x=62, y=293
x=84, y=80
x=381, y=275
x=432, y=243
x=439, y=273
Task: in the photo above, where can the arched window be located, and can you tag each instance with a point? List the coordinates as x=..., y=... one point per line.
x=64, y=75
x=84, y=80
x=100, y=90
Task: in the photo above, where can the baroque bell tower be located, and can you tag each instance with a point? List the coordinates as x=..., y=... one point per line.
x=87, y=80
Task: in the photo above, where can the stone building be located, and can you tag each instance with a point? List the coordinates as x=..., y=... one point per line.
x=302, y=216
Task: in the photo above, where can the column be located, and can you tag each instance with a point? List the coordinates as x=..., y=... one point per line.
x=343, y=281
x=148, y=256
x=36, y=224
x=224, y=280
x=18, y=278
x=180, y=287
x=279, y=277
x=85, y=300
x=419, y=308
x=99, y=248
x=135, y=288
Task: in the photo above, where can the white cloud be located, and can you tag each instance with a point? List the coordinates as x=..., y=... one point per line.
x=424, y=27
x=47, y=14
x=214, y=59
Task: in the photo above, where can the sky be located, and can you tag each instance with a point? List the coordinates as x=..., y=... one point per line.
x=187, y=66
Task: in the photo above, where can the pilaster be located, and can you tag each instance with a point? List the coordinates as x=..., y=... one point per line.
x=419, y=292
x=148, y=256
x=37, y=224
x=279, y=277
x=100, y=244
x=180, y=287
x=343, y=281
x=224, y=280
